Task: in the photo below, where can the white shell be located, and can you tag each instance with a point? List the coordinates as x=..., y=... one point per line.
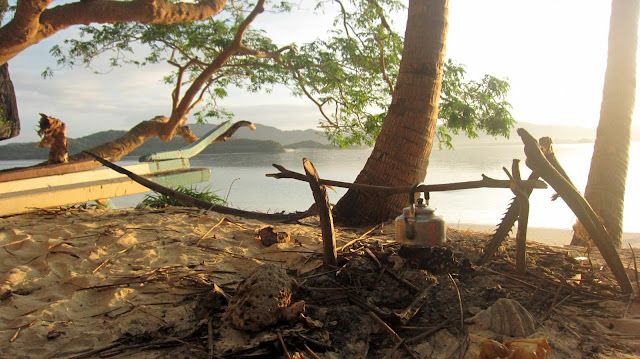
x=506, y=317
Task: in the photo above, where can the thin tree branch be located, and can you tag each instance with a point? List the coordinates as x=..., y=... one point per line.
x=33, y=21
x=178, y=117
x=485, y=182
x=200, y=203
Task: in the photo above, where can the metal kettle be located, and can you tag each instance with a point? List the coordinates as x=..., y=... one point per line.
x=419, y=225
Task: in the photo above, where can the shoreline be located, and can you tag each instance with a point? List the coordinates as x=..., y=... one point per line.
x=550, y=236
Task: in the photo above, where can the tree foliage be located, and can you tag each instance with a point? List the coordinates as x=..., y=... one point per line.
x=34, y=20
x=473, y=106
x=189, y=48
x=349, y=74
x=4, y=6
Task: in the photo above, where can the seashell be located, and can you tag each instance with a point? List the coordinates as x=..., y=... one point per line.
x=506, y=317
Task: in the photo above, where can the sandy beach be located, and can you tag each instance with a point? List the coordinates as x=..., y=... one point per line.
x=54, y=266
x=80, y=283
x=550, y=236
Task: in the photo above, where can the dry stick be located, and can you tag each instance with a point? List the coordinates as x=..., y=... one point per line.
x=523, y=218
x=580, y=207
x=459, y=301
x=486, y=182
x=582, y=292
x=415, y=306
x=556, y=305
x=324, y=211
x=394, y=335
x=310, y=352
x=393, y=350
x=284, y=347
x=210, y=336
x=635, y=266
x=553, y=302
x=373, y=257
x=93, y=352
x=212, y=228
x=429, y=332
x=511, y=215
x=368, y=306
x=517, y=280
x=195, y=202
x=315, y=343
x=359, y=238
x=402, y=280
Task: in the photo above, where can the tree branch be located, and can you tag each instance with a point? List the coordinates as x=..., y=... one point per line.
x=33, y=22
x=324, y=212
x=383, y=67
x=133, y=139
x=195, y=202
x=179, y=115
x=485, y=182
x=262, y=54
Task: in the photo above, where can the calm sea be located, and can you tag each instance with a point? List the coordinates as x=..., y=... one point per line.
x=241, y=178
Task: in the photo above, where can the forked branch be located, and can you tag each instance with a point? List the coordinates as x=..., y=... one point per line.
x=485, y=182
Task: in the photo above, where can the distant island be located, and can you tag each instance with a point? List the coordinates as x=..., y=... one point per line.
x=268, y=139
x=264, y=140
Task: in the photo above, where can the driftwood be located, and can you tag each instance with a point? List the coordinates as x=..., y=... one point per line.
x=324, y=212
x=235, y=127
x=580, y=207
x=522, y=200
x=510, y=217
x=195, y=202
x=485, y=182
x=505, y=226
x=54, y=136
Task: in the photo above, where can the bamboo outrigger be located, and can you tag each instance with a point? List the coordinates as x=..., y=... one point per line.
x=48, y=186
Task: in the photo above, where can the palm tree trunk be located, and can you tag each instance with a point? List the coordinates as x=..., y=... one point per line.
x=9, y=120
x=608, y=173
x=401, y=154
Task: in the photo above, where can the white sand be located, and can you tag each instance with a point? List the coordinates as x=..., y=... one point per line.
x=48, y=259
x=59, y=273
x=549, y=236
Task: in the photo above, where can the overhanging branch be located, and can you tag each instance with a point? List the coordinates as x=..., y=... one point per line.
x=33, y=21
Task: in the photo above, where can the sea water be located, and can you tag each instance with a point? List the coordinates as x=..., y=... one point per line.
x=241, y=179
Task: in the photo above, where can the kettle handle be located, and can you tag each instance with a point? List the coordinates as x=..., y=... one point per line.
x=412, y=194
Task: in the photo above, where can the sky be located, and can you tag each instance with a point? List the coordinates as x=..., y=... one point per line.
x=553, y=53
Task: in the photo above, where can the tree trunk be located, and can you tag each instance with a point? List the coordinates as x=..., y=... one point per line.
x=9, y=120
x=608, y=174
x=401, y=154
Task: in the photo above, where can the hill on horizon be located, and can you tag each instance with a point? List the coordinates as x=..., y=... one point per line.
x=264, y=132
x=558, y=133
x=271, y=139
